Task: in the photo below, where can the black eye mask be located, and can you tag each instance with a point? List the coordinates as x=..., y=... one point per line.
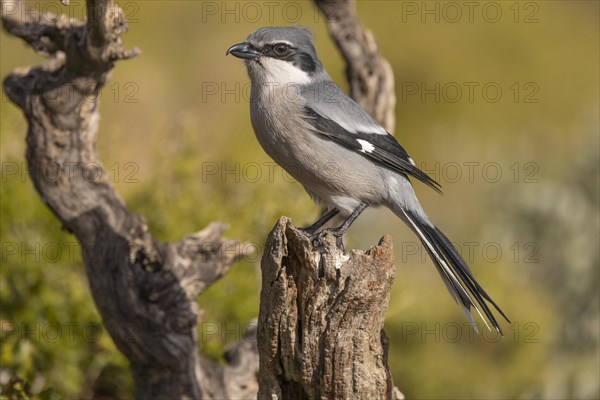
x=299, y=59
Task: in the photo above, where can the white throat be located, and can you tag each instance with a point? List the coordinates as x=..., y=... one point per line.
x=282, y=72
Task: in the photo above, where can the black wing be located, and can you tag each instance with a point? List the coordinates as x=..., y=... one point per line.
x=383, y=149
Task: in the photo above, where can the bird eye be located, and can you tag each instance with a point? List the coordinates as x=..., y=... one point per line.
x=281, y=49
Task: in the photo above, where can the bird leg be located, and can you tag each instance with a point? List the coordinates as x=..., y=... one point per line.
x=340, y=230
x=309, y=230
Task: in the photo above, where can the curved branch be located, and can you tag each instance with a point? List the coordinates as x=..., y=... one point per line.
x=370, y=76
x=145, y=290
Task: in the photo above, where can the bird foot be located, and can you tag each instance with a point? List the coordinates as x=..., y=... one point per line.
x=318, y=237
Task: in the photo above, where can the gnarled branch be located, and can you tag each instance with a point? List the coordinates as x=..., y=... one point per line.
x=370, y=75
x=145, y=290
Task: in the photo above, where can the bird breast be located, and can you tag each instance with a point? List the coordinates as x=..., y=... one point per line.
x=323, y=167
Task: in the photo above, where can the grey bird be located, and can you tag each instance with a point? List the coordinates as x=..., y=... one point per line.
x=344, y=159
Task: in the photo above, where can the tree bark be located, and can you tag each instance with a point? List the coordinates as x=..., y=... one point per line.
x=320, y=327
x=145, y=290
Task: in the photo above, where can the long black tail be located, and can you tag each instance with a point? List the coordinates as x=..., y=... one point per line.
x=454, y=271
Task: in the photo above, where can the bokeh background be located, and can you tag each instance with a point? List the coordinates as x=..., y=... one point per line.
x=499, y=101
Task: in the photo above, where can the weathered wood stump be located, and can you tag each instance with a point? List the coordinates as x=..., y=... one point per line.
x=320, y=328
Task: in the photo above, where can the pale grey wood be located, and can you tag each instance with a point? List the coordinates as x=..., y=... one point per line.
x=320, y=327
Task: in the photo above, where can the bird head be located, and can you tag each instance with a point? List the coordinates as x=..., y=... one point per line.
x=282, y=55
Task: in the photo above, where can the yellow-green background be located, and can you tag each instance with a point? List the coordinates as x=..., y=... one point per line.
x=544, y=219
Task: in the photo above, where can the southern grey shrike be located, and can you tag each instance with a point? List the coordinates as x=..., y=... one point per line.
x=342, y=157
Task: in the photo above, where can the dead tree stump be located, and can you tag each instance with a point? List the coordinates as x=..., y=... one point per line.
x=320, y=328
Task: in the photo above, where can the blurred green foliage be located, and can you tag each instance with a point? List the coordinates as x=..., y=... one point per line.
x=176, y=137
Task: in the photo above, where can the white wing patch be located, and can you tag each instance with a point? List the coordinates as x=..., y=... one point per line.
x=366, y=146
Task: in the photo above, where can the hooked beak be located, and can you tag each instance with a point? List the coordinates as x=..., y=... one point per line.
x=244, y=50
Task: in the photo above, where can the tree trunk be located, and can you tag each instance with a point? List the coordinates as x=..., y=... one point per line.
x=320, y=327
